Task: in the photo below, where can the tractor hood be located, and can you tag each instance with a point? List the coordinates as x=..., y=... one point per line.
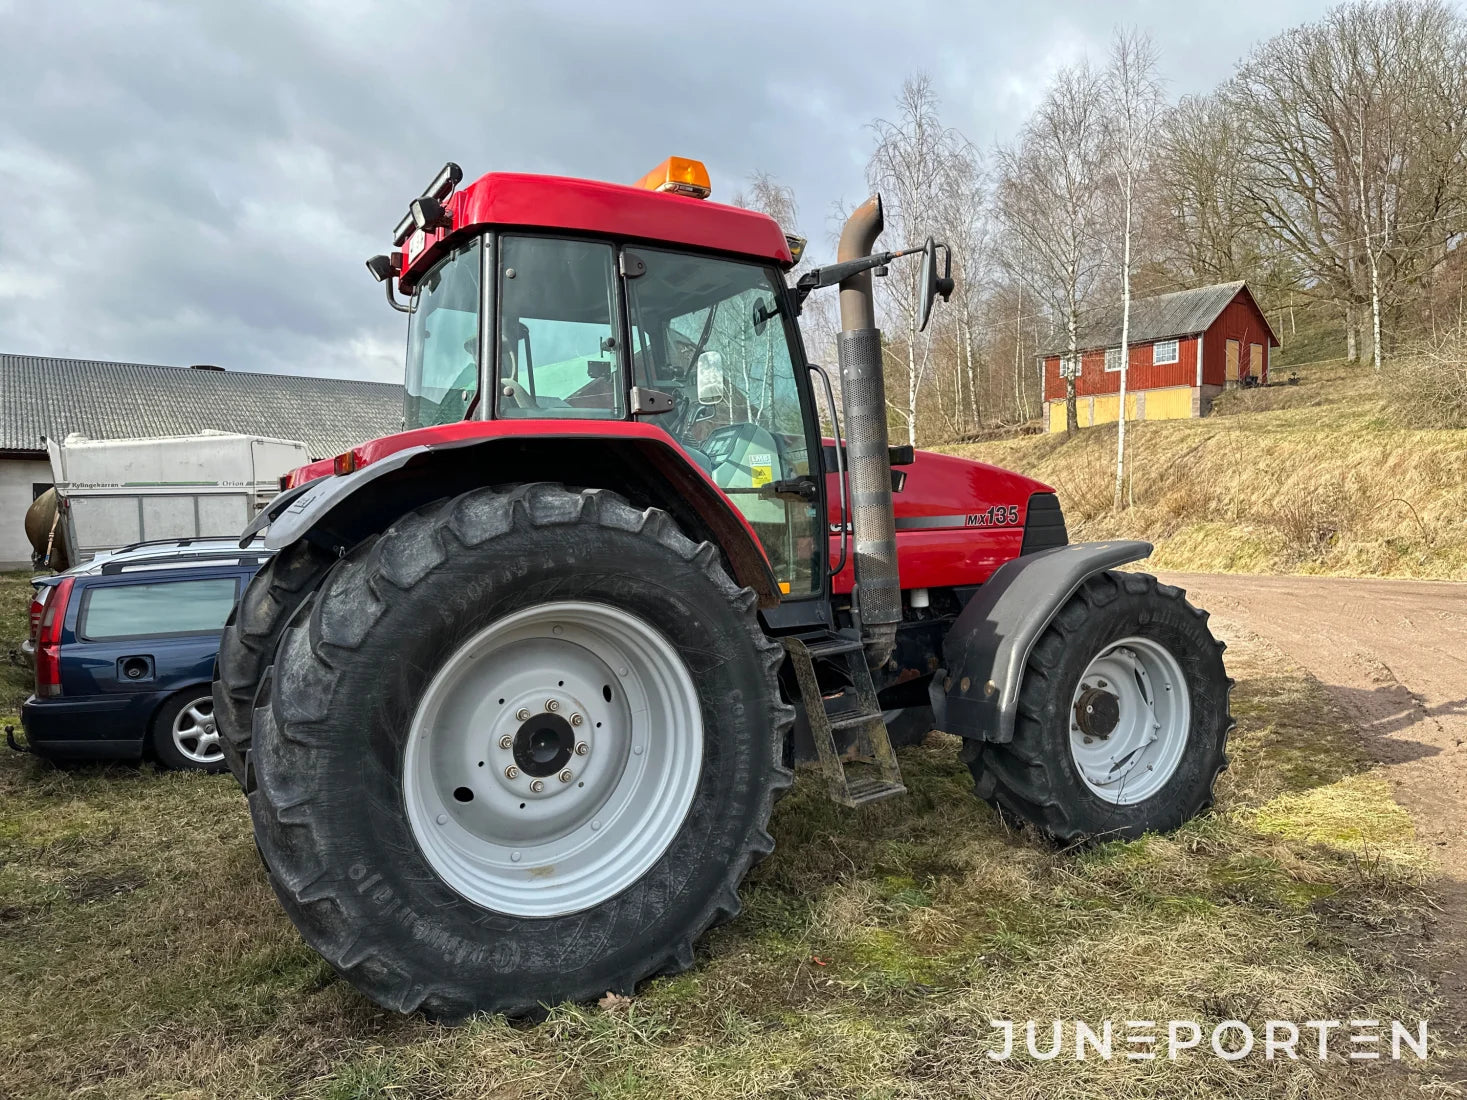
x=957, y=520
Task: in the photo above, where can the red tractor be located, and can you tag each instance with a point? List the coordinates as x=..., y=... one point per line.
x=514, y=699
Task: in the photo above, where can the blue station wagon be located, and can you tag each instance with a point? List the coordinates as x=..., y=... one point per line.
x=124, y=649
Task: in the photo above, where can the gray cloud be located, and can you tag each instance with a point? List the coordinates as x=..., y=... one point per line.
x=200, y=182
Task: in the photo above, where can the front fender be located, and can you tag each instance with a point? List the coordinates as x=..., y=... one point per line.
x=990, y=642
x=294, y=513
x=638, y=461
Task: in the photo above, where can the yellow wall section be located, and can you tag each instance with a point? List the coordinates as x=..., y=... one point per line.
x=1172, y=403
x=1169, y=404
x=1105, y=408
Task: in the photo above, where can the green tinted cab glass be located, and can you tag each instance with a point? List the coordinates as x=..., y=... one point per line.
x=443, y=341
x=558, y=354
x=713, y=334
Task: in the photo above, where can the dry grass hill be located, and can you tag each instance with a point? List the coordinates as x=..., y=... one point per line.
x=1319, y=477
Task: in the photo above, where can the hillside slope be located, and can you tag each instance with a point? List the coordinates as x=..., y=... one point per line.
x=1313, y=478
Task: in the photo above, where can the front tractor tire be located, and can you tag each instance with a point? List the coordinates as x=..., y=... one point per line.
x=251, y=636
x=521, y=748
x=1123, y=717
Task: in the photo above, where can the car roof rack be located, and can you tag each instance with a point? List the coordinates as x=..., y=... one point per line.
x=161, y=562
x=183, y=542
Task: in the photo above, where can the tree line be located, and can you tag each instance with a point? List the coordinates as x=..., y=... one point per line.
x=1329, y=171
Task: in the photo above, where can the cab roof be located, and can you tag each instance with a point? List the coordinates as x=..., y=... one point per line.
x=518, y=200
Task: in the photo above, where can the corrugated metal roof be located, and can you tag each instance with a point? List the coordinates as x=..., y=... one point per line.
x=55, y=397
x=1179, y=313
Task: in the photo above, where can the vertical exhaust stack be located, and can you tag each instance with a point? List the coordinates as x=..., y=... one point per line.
x=863, y=395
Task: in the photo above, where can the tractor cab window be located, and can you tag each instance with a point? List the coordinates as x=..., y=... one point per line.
x=714, y=335
x=558, y=354
x=443, y=341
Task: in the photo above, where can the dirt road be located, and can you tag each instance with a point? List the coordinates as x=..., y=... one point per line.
x=1394, y=655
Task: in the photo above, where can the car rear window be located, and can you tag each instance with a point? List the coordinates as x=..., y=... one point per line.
x=159, y=607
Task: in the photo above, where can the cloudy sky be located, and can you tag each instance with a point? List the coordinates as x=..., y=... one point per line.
x=200, y=182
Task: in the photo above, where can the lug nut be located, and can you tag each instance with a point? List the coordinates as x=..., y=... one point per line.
x=506, y=741
x=522, y=714
x=551, y=705
x=511, y=772
x=565, y=776
x=576, y=719
x=582, y=749
x=537, y=786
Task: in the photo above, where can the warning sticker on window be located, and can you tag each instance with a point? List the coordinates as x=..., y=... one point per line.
x=761, y=469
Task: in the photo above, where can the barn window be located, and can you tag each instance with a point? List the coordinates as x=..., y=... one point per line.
x=1164, y=351
x=1112, y=359
x=1069, y=366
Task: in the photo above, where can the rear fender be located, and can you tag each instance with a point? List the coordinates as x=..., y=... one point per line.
x=338, y=512
x=990, y=642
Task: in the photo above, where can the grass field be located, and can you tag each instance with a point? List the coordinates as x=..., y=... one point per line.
x=142, y=953
x=1313, y=478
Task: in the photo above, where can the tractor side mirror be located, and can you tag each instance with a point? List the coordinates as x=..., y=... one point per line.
x=933, y=285
x=710, y=378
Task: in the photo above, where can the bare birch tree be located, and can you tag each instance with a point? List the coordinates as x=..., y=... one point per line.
x=912, y=167
x=1133, y=104
x=1048, y=201
x=962, y=216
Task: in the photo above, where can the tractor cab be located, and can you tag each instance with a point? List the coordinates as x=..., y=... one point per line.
x=534, y=324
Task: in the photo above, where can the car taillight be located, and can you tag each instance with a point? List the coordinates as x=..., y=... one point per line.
x=48, y=641
x=38, y=605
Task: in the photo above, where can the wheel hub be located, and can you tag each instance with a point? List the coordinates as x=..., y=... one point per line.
x=1097, y=711
x=544, y=745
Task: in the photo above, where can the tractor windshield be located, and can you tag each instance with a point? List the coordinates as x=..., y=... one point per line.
x=443, y=342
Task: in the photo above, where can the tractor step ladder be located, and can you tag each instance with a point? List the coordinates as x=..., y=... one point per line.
x=854, y=709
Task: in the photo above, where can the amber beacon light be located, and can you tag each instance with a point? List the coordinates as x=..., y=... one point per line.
x=680, y=176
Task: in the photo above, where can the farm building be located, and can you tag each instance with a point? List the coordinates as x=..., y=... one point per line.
x=55, y=397
x=1185, y=348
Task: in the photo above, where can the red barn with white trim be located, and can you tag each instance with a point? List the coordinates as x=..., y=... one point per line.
x=1185, y=348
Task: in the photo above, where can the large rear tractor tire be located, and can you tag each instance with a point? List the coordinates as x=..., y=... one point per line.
x=251, y=635
x=1123, y=717
x=520, y=749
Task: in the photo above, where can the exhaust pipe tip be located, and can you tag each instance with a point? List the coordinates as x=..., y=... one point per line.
x=857, y=239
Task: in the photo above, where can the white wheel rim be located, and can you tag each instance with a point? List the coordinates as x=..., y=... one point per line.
x=1153, y=717
x=195, y=734
x=635, y=754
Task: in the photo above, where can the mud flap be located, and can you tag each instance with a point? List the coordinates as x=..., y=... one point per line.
x=989, y=644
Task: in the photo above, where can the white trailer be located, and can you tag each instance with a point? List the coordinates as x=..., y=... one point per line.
x=117, y=492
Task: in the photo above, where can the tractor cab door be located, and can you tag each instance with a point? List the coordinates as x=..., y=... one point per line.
x=579, y=323
x=718, y=337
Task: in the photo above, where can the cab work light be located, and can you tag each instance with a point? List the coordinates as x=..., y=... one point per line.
x=680, y=176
